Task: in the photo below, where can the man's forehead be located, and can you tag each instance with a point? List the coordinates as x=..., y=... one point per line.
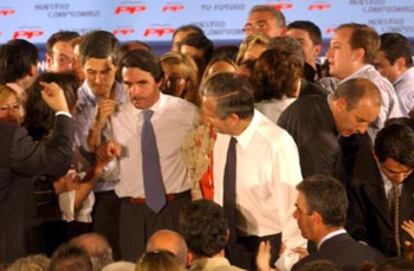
x=260, y=15
x=343, y=34
x=99, y=63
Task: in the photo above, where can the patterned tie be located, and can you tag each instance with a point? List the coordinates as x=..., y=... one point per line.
x=229, y=193
x=394, y=206
x=151, y=168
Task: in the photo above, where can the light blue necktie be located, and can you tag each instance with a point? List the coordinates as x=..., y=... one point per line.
x=151, y=168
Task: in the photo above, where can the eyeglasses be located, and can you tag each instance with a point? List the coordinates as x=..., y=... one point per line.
x=9, y=107
x=259, y=26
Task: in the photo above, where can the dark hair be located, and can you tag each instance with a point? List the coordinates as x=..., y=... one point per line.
x=395, y=141
x=326, y=196
x=277, y=14
x=99, y=44
x=354, y=90
x=204, y=227
x=40, y=117
x=65, y=36
x=143, y=60
x=394, y=264
x=233, y=94
x=320, y=265
x=401, y=121
x=69, y=257
x=16, y=60
x=131, y=46
x=308, y=26
x=276, y=74
x=188, y=27
x=364, y=37
x=394, y=46
x=201, y=42
x=229, y=51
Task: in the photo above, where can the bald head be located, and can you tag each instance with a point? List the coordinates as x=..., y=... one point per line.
x=170, y=241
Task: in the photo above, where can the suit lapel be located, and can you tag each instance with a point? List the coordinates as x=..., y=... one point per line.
x=373, y=187
x=407, y=199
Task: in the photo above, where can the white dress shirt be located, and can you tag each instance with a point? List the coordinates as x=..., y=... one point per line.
x=172, y=120
x=273, y=108
x=404, y=86
x=267, y=173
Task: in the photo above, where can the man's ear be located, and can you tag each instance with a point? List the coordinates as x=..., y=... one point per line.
x=49, y=60
x=358, y=55
x=33, y=70
x=234, y=118
x=317, y=218
x=190, y=258
x=400, y=64
x=317, y=50
x=283, y=31
x=339, y=104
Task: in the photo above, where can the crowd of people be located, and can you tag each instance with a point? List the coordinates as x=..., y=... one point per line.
x=250, y=157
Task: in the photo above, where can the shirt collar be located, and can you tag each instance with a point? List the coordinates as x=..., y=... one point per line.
x=157, y=107
x=404, y=76
x=387, y=182
x=330, y=235
x=357, y=73
x=245, y=137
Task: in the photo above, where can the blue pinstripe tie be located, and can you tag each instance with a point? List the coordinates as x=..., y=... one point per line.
x=151, y=168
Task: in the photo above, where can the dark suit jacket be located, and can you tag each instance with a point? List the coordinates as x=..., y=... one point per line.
x=310, y=88
x=310, y=122
x=21, y=159
x=369, y=216
x=343, y=251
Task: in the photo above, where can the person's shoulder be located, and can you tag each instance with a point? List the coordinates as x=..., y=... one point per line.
x=274, y=134
x=178, y=103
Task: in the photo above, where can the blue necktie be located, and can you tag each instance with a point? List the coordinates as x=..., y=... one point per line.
x=151, y=168
x=229, y=193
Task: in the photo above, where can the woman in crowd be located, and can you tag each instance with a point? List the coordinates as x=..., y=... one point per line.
x=276, y=76
x=66, y=198
x=219, y=64
x=10, y=107
x=252, y=47
x=180, y=77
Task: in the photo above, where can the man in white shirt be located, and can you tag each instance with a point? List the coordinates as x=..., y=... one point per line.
x=351, y=52
x=144, y=211
x=256, y=182
x=395, y=63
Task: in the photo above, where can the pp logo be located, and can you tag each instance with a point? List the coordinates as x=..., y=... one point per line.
x=129, y=9
x=172, y=8
x=27, y=34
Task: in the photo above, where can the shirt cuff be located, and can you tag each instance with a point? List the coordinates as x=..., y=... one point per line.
x=63, y=113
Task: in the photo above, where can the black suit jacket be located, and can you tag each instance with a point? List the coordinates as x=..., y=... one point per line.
x=369, y=217
x=343, y=251
x=310, y=122
x=310, y=88
x=21, y=159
